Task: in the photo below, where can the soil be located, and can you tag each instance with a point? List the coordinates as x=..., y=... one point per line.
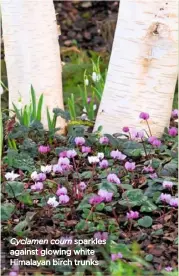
x=87, y=24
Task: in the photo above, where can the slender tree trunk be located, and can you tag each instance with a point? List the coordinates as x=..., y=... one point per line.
x=142, y=71
x=32, y=52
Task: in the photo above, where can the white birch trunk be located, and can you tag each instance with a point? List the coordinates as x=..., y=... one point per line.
x=32, y=52
x=142, y=71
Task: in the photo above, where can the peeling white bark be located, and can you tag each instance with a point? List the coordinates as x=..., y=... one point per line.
x=32, y=52
x=142, y=71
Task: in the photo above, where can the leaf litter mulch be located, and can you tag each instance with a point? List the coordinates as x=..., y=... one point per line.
x=121, y=189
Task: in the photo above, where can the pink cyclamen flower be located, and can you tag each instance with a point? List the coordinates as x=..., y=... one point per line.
x=96, y=199
x=63, y=154
x=104, y=164
x=125, y=129
x=136, y=134
x=151, y=139
x=38, y=176
x=63, y=162
x=79, y=141
x=57, y=168
x=61, y=191
x=148, y=169
x=107, y=196
x=165, y=197
x=173, y=131
x=112, y=177
x=156, y=143
x=140, y=134
x=116, y=154
x=130, y=166
x=101, y=236
x=116, y=256
x=43, y=149
x=144, y=116
x=71, y=153
x=85, y=149
x=63, y=199
x=168, y=268
x=173, y=202
x=82, y=186
x=41, y=177
x=153, y=175
x=104, y=140
x=15, y=268
x=13, y=273
x=38, y=186
x=175, y=114
x=133, y=215
x=167, y=184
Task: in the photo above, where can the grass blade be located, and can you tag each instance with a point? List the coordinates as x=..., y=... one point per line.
x=39, y=108
x=18, y=115
x=33, y=103
x=50, y=127
x=25, y=117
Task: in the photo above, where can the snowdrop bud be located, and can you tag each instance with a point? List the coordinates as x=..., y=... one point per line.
x=94, y=76
x=94, y=107
x=86, y=82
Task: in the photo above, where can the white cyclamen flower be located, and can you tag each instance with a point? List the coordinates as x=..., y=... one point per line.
x=100, y=155
x=11, y=176
x=93, y=159
x=53, y=202
x=34, y=175
x=46, y=169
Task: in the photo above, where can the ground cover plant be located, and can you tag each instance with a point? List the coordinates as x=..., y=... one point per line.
x=121, y=189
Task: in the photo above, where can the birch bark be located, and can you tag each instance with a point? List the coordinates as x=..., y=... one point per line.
x=142, y=71
x=32, y=52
